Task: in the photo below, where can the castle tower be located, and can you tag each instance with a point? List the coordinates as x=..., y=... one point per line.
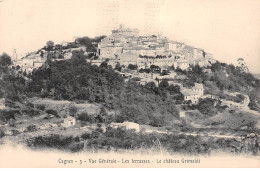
x=15, y=54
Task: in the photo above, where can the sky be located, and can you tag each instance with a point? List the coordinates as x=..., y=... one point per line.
x=229, y=29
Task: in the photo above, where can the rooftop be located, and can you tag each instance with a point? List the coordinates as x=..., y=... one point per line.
x=198, y=86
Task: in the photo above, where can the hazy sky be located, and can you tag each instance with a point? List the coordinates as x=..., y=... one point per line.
x=228, y=29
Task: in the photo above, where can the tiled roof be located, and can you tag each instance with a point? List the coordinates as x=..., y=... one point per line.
x=199, y=86
x=188, y=92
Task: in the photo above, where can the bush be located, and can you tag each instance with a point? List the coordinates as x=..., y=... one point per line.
x=6, y=115
x=52, y=112
x=40, y=107
x=76, y=147
x=132, y=67
x=206, y=106
x=72, y=110
x=33, y=112
x=2, y=133
x=31, y=128
x=52, y=141
x=86, y=136
x=30, y=105
x=86, y=117
x=15, y=132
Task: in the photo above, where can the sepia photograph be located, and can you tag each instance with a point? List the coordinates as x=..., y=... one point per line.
x=130, y=84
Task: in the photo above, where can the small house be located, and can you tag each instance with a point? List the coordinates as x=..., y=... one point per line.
x=126, y=126
x=2, y=103
x=69, y=121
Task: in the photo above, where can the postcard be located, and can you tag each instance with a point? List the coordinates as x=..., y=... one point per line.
x=129, y=84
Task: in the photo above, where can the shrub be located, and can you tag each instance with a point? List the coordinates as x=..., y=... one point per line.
x=15, y=132
x=51, y=141
x=33, y=112
x=31, y=128
x=30, y=105
x=72, y=110
x=7, y=115
x=132, y=67
x=2, y=133
x=86, y=117
x=40, y=107
x=206, y=106
x=86, y=136
x=52, y=112
x=76, y=147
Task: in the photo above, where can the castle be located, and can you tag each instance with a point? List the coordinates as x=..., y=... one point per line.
x=125, y=46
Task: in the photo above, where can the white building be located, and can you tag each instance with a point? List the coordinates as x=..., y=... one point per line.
x=190, y=95
x=126, y=125
x=198, y=88
x=182, y=114
x=194, y=93
x=67, y=55
x=69, y=121
x=2, y=103
x=182, y=64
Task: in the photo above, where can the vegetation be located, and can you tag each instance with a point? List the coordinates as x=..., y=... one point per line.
x=89, y=42
x=31, y=128
x=182, y=144
x=224, y=77
x=207, y=106
x=40, y=107
x=52, y=112
x=132, y=67
x=76, y=79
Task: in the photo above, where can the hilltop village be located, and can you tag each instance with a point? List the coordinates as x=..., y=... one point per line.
x=148, y=57
x=126, y=46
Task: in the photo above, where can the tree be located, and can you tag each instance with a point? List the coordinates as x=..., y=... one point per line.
x=52, y=112
x=104, y=64
x=151, y=85
x=206, y=106
x=174, y=88
x=103, y=113
x=5, y=60
x=155, y=68
x=164, y=84
x=31, y=128
x=132, y=67
x=73, y=110
x=50, y=44
x=118, y=67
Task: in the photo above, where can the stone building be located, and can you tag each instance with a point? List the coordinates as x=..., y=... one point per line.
x=125, y=44
x=126, y=126
x=69, y=121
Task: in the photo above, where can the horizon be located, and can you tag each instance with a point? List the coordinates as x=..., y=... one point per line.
x=227, y=33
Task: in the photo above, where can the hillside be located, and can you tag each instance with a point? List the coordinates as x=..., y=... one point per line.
x=37, y=104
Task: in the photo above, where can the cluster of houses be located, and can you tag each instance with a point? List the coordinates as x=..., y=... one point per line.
x=125, y=46
x=190, y=94
x=36, y=59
